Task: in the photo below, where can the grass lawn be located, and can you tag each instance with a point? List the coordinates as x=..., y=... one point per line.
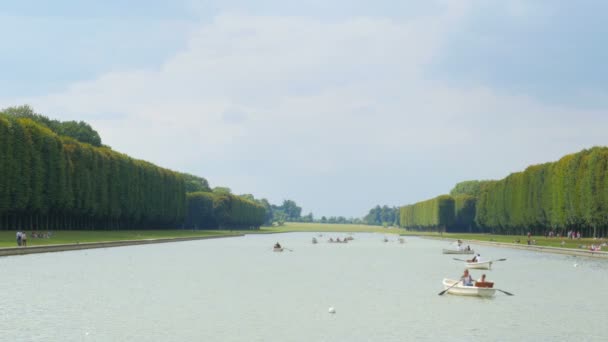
x=7, y=238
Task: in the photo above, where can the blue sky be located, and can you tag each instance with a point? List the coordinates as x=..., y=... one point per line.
x=337, y=106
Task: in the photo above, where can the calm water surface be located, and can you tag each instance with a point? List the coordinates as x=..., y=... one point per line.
x=237, y=289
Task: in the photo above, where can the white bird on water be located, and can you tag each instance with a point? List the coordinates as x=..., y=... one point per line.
x=331, y=310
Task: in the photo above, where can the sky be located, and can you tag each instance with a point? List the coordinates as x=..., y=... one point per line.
x=339, y=106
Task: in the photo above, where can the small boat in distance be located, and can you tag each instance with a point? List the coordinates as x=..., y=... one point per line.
x=314, y=240
x=457, y=251
x=277, y=249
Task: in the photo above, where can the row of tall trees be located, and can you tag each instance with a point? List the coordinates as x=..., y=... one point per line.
x=49, y=181
x=571, y=193
x=208, y=210
x=435, y=213
x=443, y=213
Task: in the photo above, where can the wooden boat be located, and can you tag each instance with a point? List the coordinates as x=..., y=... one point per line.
x=481, y=265
x=457, y=251
x=456, y=288
x=277, y=249
x=314, y=240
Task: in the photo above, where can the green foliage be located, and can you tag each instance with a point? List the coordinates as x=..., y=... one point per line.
x=464, y=214
x=195, y=183
x=436, y=213
x=471, y=188
x=222, y=211
x=382, y=216
x=571, y=193
x=81, y=131
x=49, y=181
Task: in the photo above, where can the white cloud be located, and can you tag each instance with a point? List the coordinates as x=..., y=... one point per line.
x=295, y=107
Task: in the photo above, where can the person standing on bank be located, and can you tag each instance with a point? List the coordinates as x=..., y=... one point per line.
x=24, y=239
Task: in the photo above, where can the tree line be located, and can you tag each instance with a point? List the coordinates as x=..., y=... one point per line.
x=382, y=216
x=569, y=194
x=55, y=177
x=208, y=210
x=50, y=182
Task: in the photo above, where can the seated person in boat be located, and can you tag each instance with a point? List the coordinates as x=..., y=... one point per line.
x=475, y=258
x=331, y=239
x=277, y=245
x=482, y=282
x=466, y=278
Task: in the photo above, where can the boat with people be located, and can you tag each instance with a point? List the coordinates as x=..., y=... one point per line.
x=479, y=265
x=458, y=248
x=456, y=287
x=314, y=240
x=458, y=251
x=277, y=249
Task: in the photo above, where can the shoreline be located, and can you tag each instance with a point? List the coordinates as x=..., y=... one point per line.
x=535, y=248
x=11, y=251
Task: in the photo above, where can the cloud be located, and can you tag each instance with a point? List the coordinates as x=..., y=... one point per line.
x=293, y=107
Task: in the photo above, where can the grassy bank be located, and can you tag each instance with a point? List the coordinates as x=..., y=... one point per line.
x=7, y=238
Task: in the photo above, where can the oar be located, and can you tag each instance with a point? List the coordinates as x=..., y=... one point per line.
x=503, y=259
x=446, y=290
x=505, y=292
x=291, y=250
x=460, y=260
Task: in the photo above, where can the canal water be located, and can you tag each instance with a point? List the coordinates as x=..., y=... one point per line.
x=238, y=289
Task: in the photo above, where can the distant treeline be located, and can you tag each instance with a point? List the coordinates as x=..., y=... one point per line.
x=208, y=210
x=570, y=194
x=58, y=175
x=382, y=216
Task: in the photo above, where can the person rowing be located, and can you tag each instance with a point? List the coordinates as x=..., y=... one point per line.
x=277, y=245
x=476, y=258
x=466, y=278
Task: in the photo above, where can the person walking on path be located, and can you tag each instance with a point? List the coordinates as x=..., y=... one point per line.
x=19, y=238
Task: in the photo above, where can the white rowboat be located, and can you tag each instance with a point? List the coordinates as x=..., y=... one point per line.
x=481, y=265
x=275, y=249
x=457, y=251
x=462, y=290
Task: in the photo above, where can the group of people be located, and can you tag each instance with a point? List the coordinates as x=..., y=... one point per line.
x=21, y=239
x=461, y=247
x=467, y=279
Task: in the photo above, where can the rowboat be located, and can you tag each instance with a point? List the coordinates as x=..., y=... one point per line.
x=456, y=288
x=458, y=251
x=314, y=240
x=277, y=249
x=481, y=265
